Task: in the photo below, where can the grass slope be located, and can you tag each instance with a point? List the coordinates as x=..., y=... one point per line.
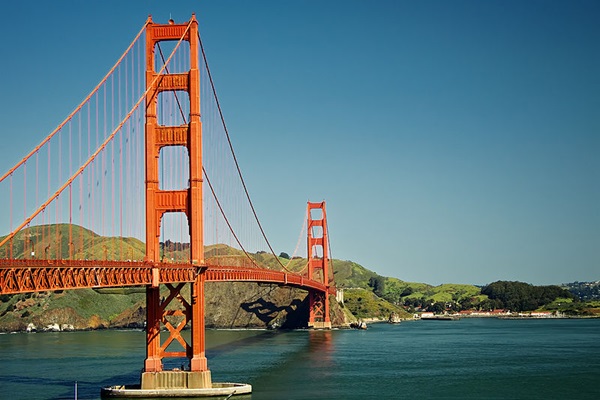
x=396, y=291
x=364, y=303
x=64, y=241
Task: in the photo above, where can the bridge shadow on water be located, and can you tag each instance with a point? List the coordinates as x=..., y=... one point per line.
x=271, y=360
x=309, y=363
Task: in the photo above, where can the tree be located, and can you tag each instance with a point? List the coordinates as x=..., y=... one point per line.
x=520, y=296
x=378, y=284
x=437, y=307
x=467, y=304
x=284, y=255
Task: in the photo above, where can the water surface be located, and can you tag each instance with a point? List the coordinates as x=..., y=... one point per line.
x=466, y=359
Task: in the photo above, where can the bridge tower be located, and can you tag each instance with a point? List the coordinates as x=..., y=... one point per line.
x=159, y=202
x=318, y=265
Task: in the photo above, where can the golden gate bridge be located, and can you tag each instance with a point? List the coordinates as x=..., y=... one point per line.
x=147, y=157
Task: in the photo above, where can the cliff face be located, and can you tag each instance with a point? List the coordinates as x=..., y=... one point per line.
x=248, y=305
x=261, y=306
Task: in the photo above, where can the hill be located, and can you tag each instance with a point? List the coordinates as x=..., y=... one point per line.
x=367, y=294
x=62, y=241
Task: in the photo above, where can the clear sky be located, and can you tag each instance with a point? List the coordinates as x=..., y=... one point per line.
x=454, y=141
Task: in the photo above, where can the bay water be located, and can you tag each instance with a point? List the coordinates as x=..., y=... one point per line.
x=474, y=358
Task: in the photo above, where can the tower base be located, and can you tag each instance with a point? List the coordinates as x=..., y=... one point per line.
x=220, y=390
x=176, y=380
x=319, y=325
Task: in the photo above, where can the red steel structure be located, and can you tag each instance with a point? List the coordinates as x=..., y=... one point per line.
x=181, y=283
x=27, y=276
x=188, y=201
x=318, y=265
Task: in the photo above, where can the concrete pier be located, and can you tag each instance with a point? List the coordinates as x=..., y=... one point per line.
x=176, y=380
x=217, y=390
x=320, y=325
x=174, y=384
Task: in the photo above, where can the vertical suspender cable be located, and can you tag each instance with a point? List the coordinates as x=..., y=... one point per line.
x=70, y=192
x=89, y=172
x=48, y=190
x=111, y=163
x=11, y=209
x=25, y=190
x=70, y=243
x=81, y=183
x=120, y=186
x=58, y=208
x=37, y=180
x=103, y=169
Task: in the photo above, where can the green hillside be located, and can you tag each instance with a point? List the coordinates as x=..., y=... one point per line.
x=365, y=304
x=349, y=274
x=414, y=295
x=63, y=241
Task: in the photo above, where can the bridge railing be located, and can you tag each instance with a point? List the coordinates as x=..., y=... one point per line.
x=23, y=276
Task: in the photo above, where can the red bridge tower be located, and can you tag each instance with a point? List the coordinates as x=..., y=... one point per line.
x=318, y=265
x=159, y=202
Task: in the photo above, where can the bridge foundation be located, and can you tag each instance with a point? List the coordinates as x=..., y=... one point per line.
x=176, y=380
x=220, y=390
x=320, y=325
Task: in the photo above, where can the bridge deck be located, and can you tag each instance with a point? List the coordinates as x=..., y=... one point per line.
x=22, y=276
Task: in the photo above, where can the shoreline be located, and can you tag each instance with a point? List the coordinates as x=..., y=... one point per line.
x=373, y=320
x=124, y=329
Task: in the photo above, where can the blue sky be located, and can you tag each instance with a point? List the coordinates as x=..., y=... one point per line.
x=454, y=141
